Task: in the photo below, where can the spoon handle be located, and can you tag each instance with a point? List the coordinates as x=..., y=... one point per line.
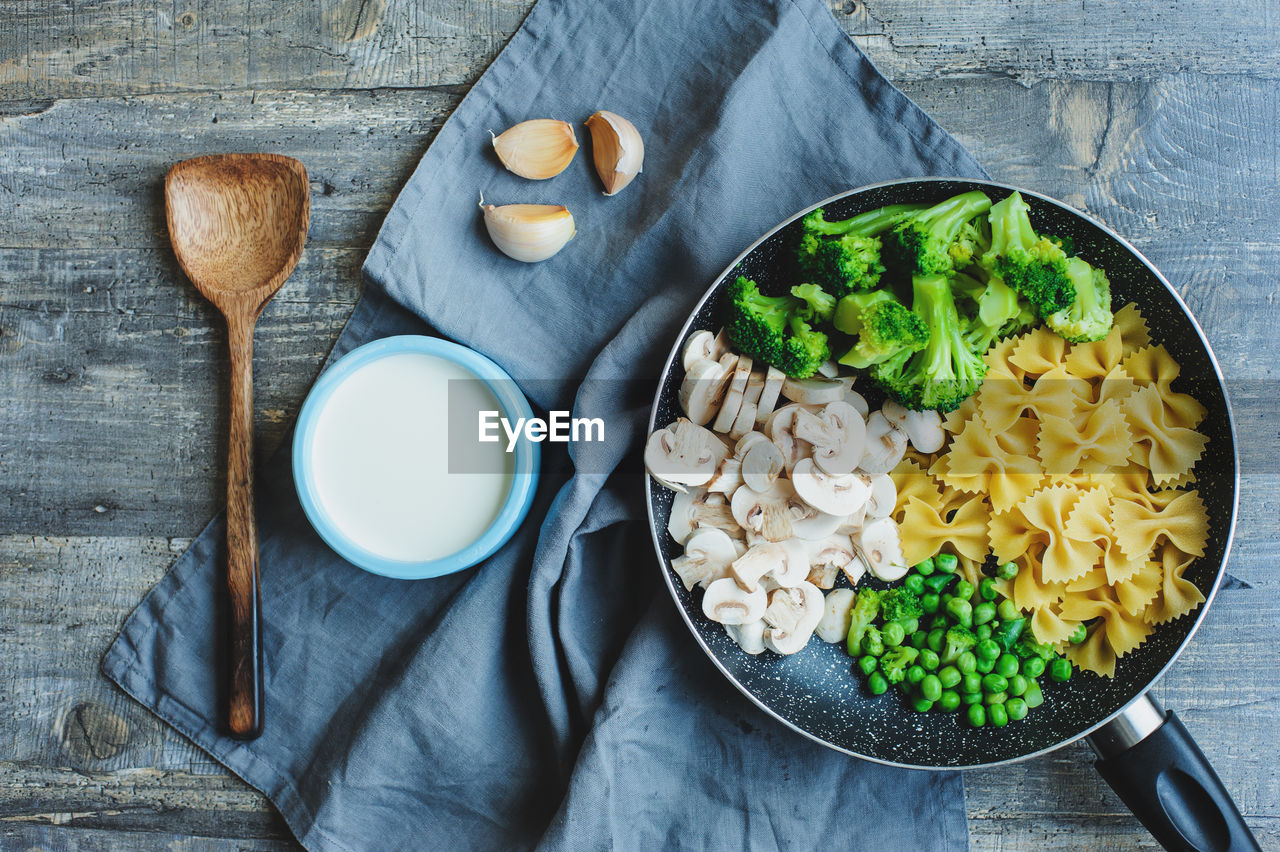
x=245, y=693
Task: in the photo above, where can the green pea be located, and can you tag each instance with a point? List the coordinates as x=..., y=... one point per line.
x=1016, y=708
x=1007, y=611
x=983, y=631
x=985, y=666
x=949, y=701
x=867, y=664
x=998, y=715
x=983, y=613
x=971, y=698
x=961, y=610
x=994, y=683
x=877, y=684
x=995, y=698
x=928, y=659
x=964, y=589
x=925, y=568
x=922, y=705
x=892, y=634
x=946, y=563
x=909, y=625
x=1007, y=665
x=918, y=639
x=1060, y=670
x=938, y=583
x=1007, y=571
x=1078, y=635
x=1018, y=685
x=1034, y=696
x=931, y=687
x=950, y=676
x=971, y=683
x=1033, y=667
x=914, y=583
x=987, y=589
x=929, y=602
x=987, y=649
x=977, y=715
x=937, y=638
x=915, y=674
x=966, y=662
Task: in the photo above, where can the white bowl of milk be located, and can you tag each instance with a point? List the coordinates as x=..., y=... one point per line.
x=388, y=463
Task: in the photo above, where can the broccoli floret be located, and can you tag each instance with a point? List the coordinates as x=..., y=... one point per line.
x=1026, y=646
x=945, y=372
x=773, y=330
x=959, y=639
x=865, y=609
x=996, y=304
x=873, y=642
x=920, y=245
x=1032, y=265
x=899, y=604
x=844, y=257
x=884, y=327
x=972, y=242
x=868, y=224
x=1025, y=319
x=895, y=662
x=1088, y=317
x=820, y=304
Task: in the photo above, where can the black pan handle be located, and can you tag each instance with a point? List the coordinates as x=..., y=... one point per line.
x=1154, y=765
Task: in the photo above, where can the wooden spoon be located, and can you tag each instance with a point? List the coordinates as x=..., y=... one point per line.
x=237, y=223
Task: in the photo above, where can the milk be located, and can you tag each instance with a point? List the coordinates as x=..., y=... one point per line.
x=380, y=459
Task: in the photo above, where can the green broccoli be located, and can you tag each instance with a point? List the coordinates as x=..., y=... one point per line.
x=997, y=306
x=1088, y=317
x=921, y=244
x=972, y=242
x=895, y=662
x=1026, y=646
x=959, y=639
x=884, y=327
x=868, y=224
x=772, y=329
x=900, y=603
x=865, y=609
x=873, y=642
x=820, y=304
x=1034, y=266
x=844, y=257
x=946, y=371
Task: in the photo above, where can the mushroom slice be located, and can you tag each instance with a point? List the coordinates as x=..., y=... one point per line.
x=812, y=524
x=823, y=576
x=746, y=442
x=814, y=391
x=884, y=496
x=683, y=454
x=858, y=401
x=797, y=568
x=885, y=445
x=880, y=546
x=923, y=428
x=766, y=513
x=728, y=476
x=773, y=381
x=728, y=603
x=708, y=554
x=837, y=433
x=837, y=613
x=835, y=495
x=703, y=389
x=734, y=395
x=829, y=369
x=767, y=558
x=749, y=636
x=781, y=431
x=722, y=343
x=700, y=345
x=834, y=550
x=762, y=464
x=791, y=617
x=855, y=570
x=746, y=421
x=697, y=509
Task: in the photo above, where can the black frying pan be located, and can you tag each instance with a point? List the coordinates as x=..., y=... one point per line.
x=1144, y=753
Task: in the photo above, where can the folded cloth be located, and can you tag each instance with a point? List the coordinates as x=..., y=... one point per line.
x=549, y=696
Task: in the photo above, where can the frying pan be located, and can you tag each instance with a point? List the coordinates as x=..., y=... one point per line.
x=1144, y=753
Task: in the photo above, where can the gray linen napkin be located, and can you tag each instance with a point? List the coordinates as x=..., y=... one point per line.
x=550, y=696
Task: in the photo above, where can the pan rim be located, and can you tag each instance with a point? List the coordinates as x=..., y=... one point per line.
x=669, y=363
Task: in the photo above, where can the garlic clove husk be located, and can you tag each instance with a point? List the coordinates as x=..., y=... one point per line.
x=616, y=148
x=537, y=149
x=528, y=232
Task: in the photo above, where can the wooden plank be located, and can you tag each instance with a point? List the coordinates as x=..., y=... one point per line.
x=59, y=838
x=54, y=50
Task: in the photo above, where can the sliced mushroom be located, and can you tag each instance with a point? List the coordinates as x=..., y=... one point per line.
x=855, y=570
x=823, y=576
x=773, y=381
x=727, y=478
x=884, y=496
x=797, y=568
x=791, y=617
x=829, y=369
x=708, y=554
x=837, y=434
x=834, y=550
x=835, y=495
x=749, y=636
x=812, y=524
x=746, y=421
x=767, y=558
x=698, y=508
x=723, y=344
x=700, y=345
x=880, y=546
x=923, y=428
x=837, y=613
x=746, y=442
x=885, y=445
x=814, y=391
x=733, y=396
x=851, y=524
x=728, y=603
x=858, y=402
x=780, y=429
x=683, y=454
x=766, y=513
x=703, y=389
x=762, y=464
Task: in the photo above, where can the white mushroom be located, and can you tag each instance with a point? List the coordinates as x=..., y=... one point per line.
x=835, y=495
x=791, y=617
x=884, y=496
x=837, y=434
x=880, y=547
x=851, y=524
x=797, y=568
x=746, y=442
x=829, y=369
x=728, y=603
x=837, y=614
x=723, y=344
x=762, y=464
x=923, y=428
x=749, y=636
x=700, y=345
x=855, y=570
x=773, y=381
x=823, y=576
x=683, y=454
x=885, y=445
x=745, y=422
x=734, y=395
x=767, y=513
x=698, y=508
x=780, y=429
x=814, y=391
x=703, y=388
x=708, y=554
x=727, y=478
x=858, y=402
x=767, y=558
x=812, y=524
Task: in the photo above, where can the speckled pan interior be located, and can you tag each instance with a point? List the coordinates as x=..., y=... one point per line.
x=816, y=690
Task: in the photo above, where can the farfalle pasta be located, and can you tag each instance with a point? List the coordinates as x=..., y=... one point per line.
x=1082, y=458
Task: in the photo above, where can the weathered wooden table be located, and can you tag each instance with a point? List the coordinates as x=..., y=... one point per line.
x=1162, y=118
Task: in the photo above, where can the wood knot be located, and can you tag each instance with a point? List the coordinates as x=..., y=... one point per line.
x=187, y=20
x=92, y=733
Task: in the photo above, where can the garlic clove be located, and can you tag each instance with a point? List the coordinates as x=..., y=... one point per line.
x=616, y=148
x=537, y=149
x=528, y=232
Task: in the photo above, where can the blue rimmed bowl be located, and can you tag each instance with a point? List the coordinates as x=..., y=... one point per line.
x=523, y=478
